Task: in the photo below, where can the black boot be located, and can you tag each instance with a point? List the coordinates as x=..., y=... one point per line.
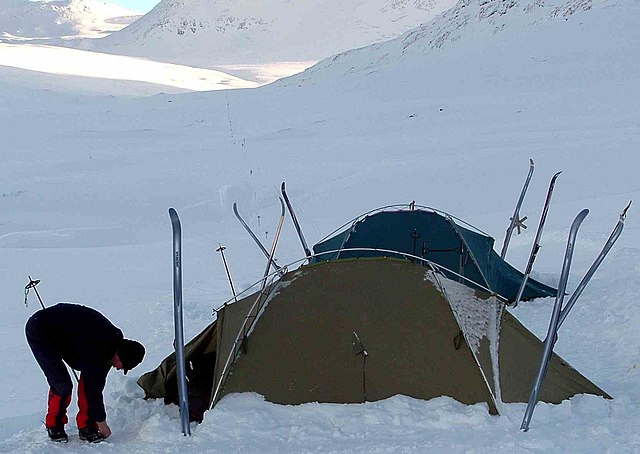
x=57, y=434
x=90, y=434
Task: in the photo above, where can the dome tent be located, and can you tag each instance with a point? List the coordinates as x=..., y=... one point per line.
x=364, y=328
x=425, y=234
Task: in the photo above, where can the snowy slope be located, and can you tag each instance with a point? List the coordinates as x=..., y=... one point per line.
x=86, y=182
x=51, y=67
x=214, y=32
x=26, y=19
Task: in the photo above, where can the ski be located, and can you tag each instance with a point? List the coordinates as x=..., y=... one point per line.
x=178, y=321
x=536, y=241
x=307, y=252
x=274, y=244
x=552, y=332
x=515, y=219
x=239, y=341
x=255, y=238
x=617, y=230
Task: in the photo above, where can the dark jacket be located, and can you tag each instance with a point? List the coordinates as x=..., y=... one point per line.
x=86, y=340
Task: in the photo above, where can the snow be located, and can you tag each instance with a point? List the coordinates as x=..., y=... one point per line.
x=447, y=115
x=217, y=34
x=45, y=19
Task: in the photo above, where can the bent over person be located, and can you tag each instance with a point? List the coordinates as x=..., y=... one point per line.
x=88, y=342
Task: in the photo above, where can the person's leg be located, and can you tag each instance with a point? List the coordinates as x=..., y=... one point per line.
x=54, y=370
x=82, y=418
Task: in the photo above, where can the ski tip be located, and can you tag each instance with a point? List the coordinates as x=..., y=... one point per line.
x=624, y=212
x=282, y=186
x=172, y=212
x=531, y=162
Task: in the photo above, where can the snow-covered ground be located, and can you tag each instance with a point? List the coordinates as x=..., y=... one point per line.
x=46, y=64
x=447, y=115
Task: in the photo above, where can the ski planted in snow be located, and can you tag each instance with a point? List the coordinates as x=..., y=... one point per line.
x=239, y=341
x=178, y=322
x=536, y=242
x=617, y=230
x=255, y=238
x=516, y=222
x=552, y=337
x=307, y=252
x=559, y=312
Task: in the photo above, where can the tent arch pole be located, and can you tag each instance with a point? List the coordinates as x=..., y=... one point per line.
x=473, y=257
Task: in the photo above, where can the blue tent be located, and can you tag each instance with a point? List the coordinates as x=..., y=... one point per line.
x=423, y=234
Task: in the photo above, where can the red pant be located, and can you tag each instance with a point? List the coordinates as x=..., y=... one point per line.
x=57, y=409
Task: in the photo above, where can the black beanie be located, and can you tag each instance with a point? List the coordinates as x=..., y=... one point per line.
x=130, y=353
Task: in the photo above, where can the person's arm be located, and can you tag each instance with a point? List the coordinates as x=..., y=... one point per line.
x=94, y=381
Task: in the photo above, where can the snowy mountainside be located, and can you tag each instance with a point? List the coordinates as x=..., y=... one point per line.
x=207, y=32
x=459, y=27
x=25, y=19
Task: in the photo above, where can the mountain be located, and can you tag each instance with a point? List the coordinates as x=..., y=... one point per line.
x=28, y=19
x=470, y=28
x=207, y=33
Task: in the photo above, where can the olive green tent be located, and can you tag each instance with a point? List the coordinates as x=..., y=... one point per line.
x=366, y=329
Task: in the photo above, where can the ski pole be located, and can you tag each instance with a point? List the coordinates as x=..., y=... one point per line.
x=221, y=250
x=33, y=284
